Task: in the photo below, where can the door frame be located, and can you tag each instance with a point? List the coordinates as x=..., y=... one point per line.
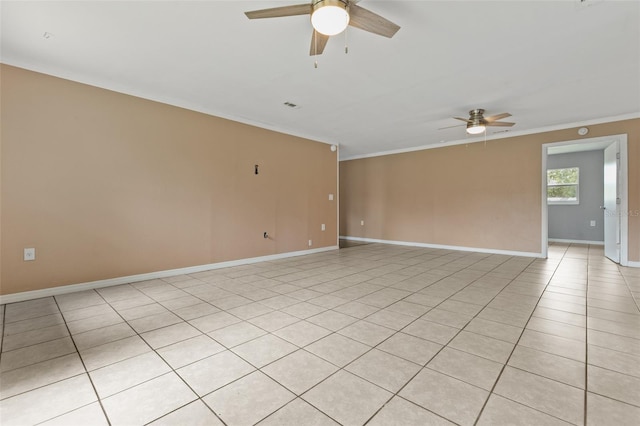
x=621, y=140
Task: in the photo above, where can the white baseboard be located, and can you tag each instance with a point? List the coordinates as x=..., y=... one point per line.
x=631, y=264
x=445, y=247
x=562, y=240
x=54, y=291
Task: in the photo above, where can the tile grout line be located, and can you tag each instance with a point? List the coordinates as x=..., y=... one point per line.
x=226, y=348
x=172, y=370
x=299, y=348
x=87, y=372
x=303, y=349
x=184, y=321
x=586, y=378
x=445, y=345
x=626, y=281
x=586, y=344
x=339, y=368
x=374, y=347
x=460, y=330
x=83, y=366
x=4, y=314
x=518, y=339
x=504, y=366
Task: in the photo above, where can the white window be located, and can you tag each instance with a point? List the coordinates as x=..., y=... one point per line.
x=563, y=186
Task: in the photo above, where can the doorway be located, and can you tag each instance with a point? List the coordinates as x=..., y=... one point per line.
x=615, y=222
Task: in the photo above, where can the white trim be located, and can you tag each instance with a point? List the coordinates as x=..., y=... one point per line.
x=624, y=200
x=54, y=291
x=623, y=186
x=499, y=136
x=544, y=219
x=182, y=103
x=569, y=241
x=633, y=264
x=337, y=196
x=444, y=247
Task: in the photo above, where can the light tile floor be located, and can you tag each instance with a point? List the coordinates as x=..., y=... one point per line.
x=371, y=334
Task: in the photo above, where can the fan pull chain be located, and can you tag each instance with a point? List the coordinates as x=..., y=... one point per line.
x=346, y=43
x=315, y=49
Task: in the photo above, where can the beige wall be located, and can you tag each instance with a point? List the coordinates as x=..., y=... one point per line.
x=107, y=185
x=468, y=195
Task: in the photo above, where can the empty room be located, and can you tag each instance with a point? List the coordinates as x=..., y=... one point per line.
x=333, y=212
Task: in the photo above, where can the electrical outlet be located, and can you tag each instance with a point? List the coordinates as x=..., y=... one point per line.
x=330, y=197
x=593, y=223
x=323, y=227
x=362, y=223
x=29, y=254
x=310, y=243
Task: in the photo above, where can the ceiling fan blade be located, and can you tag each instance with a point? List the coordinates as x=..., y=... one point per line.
x=463, y=119
x=451, y=127
x=276, y=12
x=364, y=19
x=499, y=124
x=492, y=118
x=318, y=42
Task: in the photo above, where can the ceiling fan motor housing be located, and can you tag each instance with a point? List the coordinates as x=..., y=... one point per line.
x=476, y=118
x=321, y=3
x=476, y=114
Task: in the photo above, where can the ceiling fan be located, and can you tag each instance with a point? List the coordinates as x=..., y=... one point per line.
x=477, y=122
x=331, y=17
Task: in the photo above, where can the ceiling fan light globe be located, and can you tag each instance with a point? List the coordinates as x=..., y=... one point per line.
x=476, y=130
x=330, y=17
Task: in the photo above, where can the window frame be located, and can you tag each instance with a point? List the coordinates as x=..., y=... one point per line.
x=556, y=185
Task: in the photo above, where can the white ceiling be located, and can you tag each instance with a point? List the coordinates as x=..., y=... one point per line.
x=549, y=63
